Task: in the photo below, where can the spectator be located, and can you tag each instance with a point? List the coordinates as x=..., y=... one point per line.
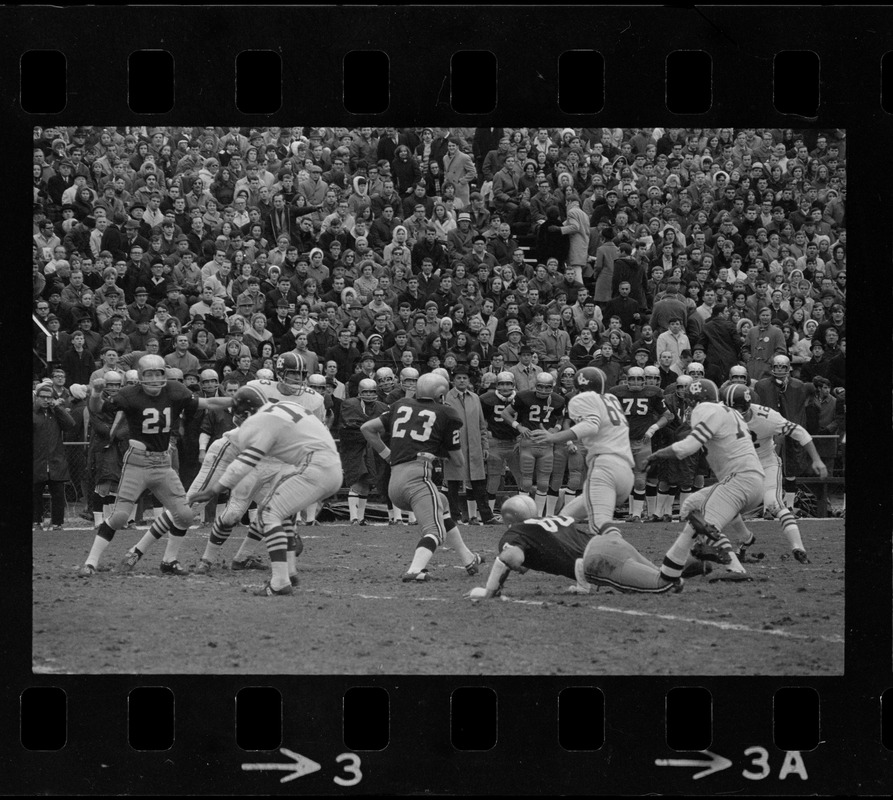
x=50, y=422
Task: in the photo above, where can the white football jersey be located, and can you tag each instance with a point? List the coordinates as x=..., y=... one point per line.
x=284, y=431
x=724, y=433
x=604, y=427
x=766, y=423
x=276, y=391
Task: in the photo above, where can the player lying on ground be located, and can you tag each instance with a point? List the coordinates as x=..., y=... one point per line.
x=150, y=408
x=311, y=472
x=422, y=429
x=765, y=424
x=556, y=546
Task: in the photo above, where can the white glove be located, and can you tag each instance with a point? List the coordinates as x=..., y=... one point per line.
x=78, y=391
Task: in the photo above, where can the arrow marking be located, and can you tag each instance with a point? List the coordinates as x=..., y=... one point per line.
x=302, y=766
x=715, y=764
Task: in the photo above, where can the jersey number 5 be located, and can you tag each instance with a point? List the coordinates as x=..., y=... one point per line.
x=152, y=420
x=426, y=417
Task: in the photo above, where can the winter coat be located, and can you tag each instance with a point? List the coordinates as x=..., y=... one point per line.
x=50, y=462
x=472, y=435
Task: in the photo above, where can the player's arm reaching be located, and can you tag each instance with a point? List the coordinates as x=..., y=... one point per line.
x=583, y=426
x=511, y=558
x=214, y=402
x=701, y=434
x=662, y=421
x=802, y=437
x=510, y=415
x=255, y=444
x=372, y=431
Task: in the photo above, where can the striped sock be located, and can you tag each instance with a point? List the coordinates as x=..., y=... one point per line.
x=219, y=534
x=424, y=550
x=161, y=526
x=174, y=540
x=677, y=555
x=790, y=529
x=454, y=539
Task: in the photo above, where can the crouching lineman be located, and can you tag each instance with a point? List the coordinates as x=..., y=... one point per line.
x=556, y=546
x=310, y=471
x=540, y=408
x=150, y=408
x=765, y=424
x=739, y=475
x=421, y=430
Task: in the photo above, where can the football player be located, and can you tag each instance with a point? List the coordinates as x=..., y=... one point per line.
x=540, y=408
x=386, y=381
x=569, y=459
x=151, y=408
x=645, y=412
x=733, y=459
x=406, y=389
x=422, y=429
x=362, y=467
x=105, y=455
x=765, y=424
x=503, y=437
x=601, y=427
x=787, y=396
x=311, y=471
x=556, y=546
x=682, y=475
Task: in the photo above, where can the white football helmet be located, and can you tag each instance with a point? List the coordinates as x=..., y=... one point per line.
x=152, y=374
x=209, y=381
x=652, y=375
x=781, y=368
x=113, y=382
x=385, y=379
x=175, y=374
x=432, y=386
x=738, y=374
x=368, y=390
x=696, y=370
x=265, y=375
x=408, y=378
x=442, y=372
x=131, y=377
x=545, y=384
x=567, y=377
x=505, y=383
x=635, y=378
x=682, y=384
x=317, y=382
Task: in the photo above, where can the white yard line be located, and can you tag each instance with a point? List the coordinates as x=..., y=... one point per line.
x=726, y=626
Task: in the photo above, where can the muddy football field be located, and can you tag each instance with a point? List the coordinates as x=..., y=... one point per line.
x=352, y=614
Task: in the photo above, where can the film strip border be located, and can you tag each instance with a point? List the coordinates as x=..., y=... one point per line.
x=573, y=61
x=464, y=735
x=529, y=755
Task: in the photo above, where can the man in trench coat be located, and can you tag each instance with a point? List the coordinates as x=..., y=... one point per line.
x=473, y=439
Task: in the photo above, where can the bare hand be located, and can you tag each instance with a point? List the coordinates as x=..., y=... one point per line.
x=820, y=469
x=202, y=496
x=98, y=384
x=539, y=436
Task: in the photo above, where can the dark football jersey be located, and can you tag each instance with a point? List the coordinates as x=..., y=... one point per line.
x=149, y=418
x=538, y=412
x=550, y=545
x=492, y=405
x=642, y=409
x=421, y=426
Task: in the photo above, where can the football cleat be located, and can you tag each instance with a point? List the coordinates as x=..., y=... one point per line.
x=577, y=588
x=88, y=570
x=204, y=567
x=800, y=555
x=701, y=526
x=293, y=579
x=475, y=521
x=173, y=568
x=130, y=560
x=666, y=518
x=417, y=577
x=249, y=562
x=269, y=591
x=472, y=568
x=706, y=552
x=634, y=518
x=653, y=518
x=678, y=585
x=695, y=567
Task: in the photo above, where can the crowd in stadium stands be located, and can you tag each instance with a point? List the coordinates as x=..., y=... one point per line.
x=521, y=249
